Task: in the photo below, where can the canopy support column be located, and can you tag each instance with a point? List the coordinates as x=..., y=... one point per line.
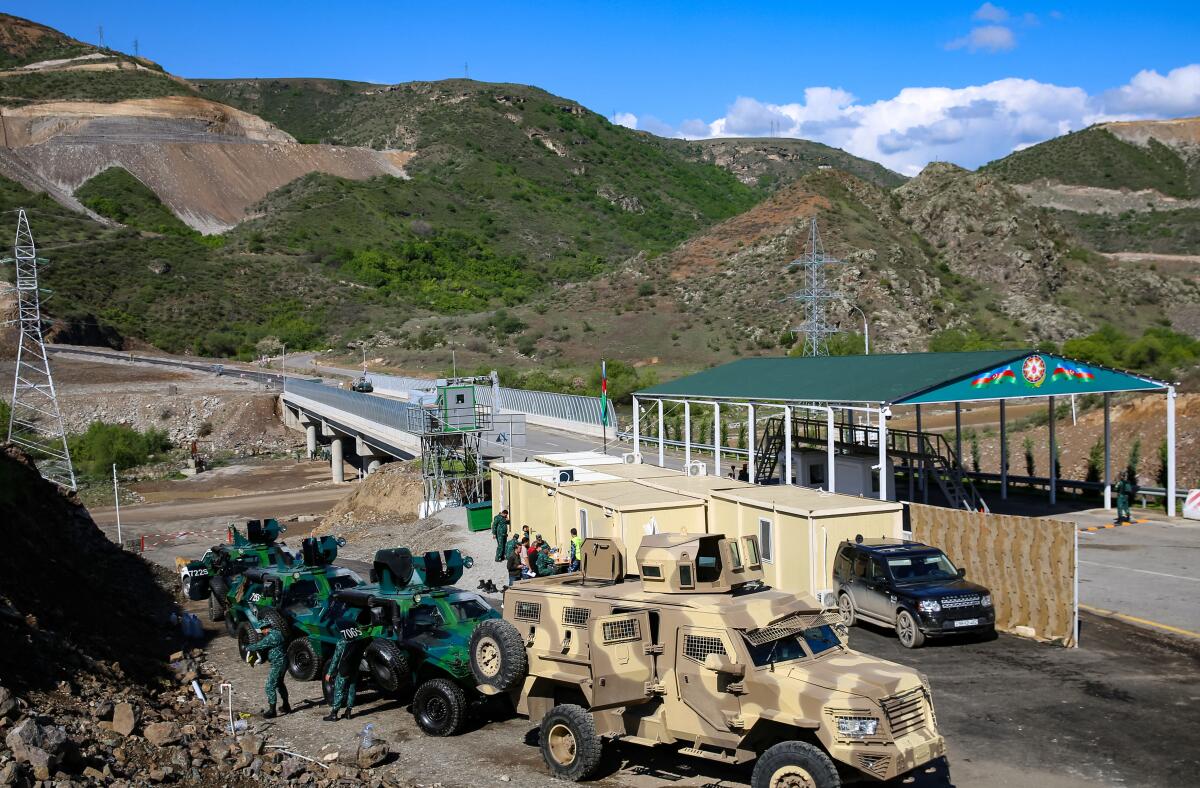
x=661, y=436
x=1107, y=452
x=832, y=451
x=787, y=444
x=687, y=433
x=637, y=430
x=717, y=438
x=750, y=427
x=1170, y=451
x=1053, y=456
x=883, y=480
x=921, y=449
x=1003, y=452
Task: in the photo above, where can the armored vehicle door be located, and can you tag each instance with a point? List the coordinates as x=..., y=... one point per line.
x=709, y=676
x=622, y=665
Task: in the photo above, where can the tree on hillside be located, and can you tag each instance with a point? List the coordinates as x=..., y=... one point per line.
x=1095, y=461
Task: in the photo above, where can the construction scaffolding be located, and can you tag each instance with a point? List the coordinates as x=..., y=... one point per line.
x=35, y=423
x=451, y=459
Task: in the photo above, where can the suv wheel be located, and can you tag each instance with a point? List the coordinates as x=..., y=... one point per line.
x=303, y=661
x=909, y=634
x=846, y=609
x=570, y=745
x=498, y=656
x=440, y=707
x=794, y=764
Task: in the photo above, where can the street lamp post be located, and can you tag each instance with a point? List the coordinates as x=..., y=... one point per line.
x=284, y=369
x=866, y=330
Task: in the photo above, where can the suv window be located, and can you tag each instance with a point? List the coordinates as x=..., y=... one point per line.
x=922, y=568
x=860, y=565
x=877, y=570
x=842, y=565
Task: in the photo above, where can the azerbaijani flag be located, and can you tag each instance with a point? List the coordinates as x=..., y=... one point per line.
x=998, y=375
x=603, y=393
x=1065, y=371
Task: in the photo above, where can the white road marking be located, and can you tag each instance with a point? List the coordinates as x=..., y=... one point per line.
x=1142, y=571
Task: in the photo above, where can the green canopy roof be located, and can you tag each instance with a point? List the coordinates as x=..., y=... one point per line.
x=902, y=378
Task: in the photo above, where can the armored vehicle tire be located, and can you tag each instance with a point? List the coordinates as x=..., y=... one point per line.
x=230, y=623
x=570, y=745
x=846, y=609
x=303, y=661
x=909, y=635
x=246, y=635
x=794, y=764
x=196, y=588
x=277, y=621
x=498, y=656
x=216, y=610
x=327, y=684
x=440, y=707
x=219, y=588
x=389, y=665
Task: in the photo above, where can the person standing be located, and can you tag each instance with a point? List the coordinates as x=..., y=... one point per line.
x=342, y=669
x=1125, y=491
x=500, y=533
x=576, y=550
x=272, y=643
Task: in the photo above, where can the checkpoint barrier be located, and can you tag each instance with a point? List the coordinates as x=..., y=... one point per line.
x=1191, y=505
x=1030, y=565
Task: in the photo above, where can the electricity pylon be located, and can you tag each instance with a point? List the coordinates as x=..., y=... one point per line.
x=815, y=295
x=36, y=423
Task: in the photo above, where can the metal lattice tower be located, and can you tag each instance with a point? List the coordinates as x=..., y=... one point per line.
x=36, y=424
x=815, y=295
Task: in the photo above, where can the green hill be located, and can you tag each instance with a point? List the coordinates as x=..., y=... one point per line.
x=772, y=162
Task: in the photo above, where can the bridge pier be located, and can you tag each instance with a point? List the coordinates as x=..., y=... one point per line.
x=310, y=436
x=336, y=460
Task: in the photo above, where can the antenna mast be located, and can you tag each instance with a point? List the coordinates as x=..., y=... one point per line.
x=816, y=295
x=36, y=423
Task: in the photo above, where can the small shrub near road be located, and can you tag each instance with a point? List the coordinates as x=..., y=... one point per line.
x=95, y=451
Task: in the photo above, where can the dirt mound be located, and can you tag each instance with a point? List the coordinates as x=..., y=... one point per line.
x=394, y=491
x=69, y=597
x=1183, y=134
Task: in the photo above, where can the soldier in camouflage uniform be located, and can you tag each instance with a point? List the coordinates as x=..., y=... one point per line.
x=500, y=525
x=344, y=666
x=272, y=643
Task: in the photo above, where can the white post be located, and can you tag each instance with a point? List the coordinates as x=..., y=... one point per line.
x=117, y=502
x=1107, y=452
x=921, y=449
x=717, y=438
x=787, y=444
x=661, y=436
x=831, y=452
x=687, y=432
x=637, y=428
x=284, y=370
x=1053, y=446
x=1003, y=453
x=1170, y=451
x=750, y=429
x=882, y=456
x=958, y=434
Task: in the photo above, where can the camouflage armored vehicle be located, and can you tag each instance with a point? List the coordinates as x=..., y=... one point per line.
x=210, y=576
x=698, y=654
x=420, y=628
x=287, y=592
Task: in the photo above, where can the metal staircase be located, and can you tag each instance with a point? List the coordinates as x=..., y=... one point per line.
x=766, y=460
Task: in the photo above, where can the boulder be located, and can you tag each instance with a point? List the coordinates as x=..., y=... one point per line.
x=292, y=768
x=8, y=702
x=160, y=734
x=10, y=774
x=39, y=746
x=251, y=745
x=124, y=719
x=370, y=757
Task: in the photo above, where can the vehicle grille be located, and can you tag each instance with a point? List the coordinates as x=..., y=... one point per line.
x=906, y=712
x=874, y=764
x=968, y=600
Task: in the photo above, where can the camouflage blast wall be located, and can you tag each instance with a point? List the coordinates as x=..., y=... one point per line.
x=1029, y=565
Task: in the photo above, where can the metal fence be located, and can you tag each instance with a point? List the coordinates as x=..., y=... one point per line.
x=386, y=412
x=567, y=407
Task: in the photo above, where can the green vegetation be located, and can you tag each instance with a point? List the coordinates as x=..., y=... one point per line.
x=105, y=86
x=95, y=451
x=121, y=197
x=1161, y=232
x=780, y=161
x=5, y=417
x=33, y=43
x=1159, y=352
x=1135, y=459
x=1094, y=157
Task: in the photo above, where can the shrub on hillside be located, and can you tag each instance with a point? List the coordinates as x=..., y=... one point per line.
x=95, y=451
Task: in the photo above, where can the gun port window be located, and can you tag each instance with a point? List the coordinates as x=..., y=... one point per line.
x=765, y=540
x=528, y=611
x=735, y=555
x=651, y=572
x=708, y=561
x=685, y=576
x=698, y=647
x=575, y=616
x=583, y=523
x=619, y=631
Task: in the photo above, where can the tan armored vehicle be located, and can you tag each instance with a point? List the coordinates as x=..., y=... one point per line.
x=699, y=654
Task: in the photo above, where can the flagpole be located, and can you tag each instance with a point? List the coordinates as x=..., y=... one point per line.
x=604, y=406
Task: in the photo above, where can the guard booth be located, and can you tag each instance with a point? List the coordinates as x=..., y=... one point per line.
x=625, y=510
x=799, y=529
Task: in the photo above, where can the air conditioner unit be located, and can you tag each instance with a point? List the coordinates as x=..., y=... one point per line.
x=696, y=469
x=566, y=475
x=632, y=458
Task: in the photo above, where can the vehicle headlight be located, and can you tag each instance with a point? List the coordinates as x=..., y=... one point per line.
x=857, y=726
x=929, y=606
x=986, y=601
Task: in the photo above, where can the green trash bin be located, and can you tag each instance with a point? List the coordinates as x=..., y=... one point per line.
x=479, y=516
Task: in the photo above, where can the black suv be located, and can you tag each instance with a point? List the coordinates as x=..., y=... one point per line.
x=909, y=586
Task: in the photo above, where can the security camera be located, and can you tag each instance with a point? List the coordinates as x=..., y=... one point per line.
x=887, y=413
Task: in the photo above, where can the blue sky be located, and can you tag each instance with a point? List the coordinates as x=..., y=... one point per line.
x=841, y=73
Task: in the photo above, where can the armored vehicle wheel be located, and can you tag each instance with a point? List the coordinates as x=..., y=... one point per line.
x=277, y=621
x=906, y=630
x=794, y=764
x=389, y=665
x=440, y=707
x=498, y=656
x=246, y=635
x=230, y=624
x=846, y=608
x=570, y=745
x=219, y=588
x=216, y=610
x=327, y=684
x=303, y=661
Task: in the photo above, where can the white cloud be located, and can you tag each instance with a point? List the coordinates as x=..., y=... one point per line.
x=627, y=119
x=969, y=125
x=990, y=13
x=989, y=38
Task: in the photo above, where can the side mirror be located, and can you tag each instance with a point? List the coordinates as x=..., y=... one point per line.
x=962, y=573
x=719, y=664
